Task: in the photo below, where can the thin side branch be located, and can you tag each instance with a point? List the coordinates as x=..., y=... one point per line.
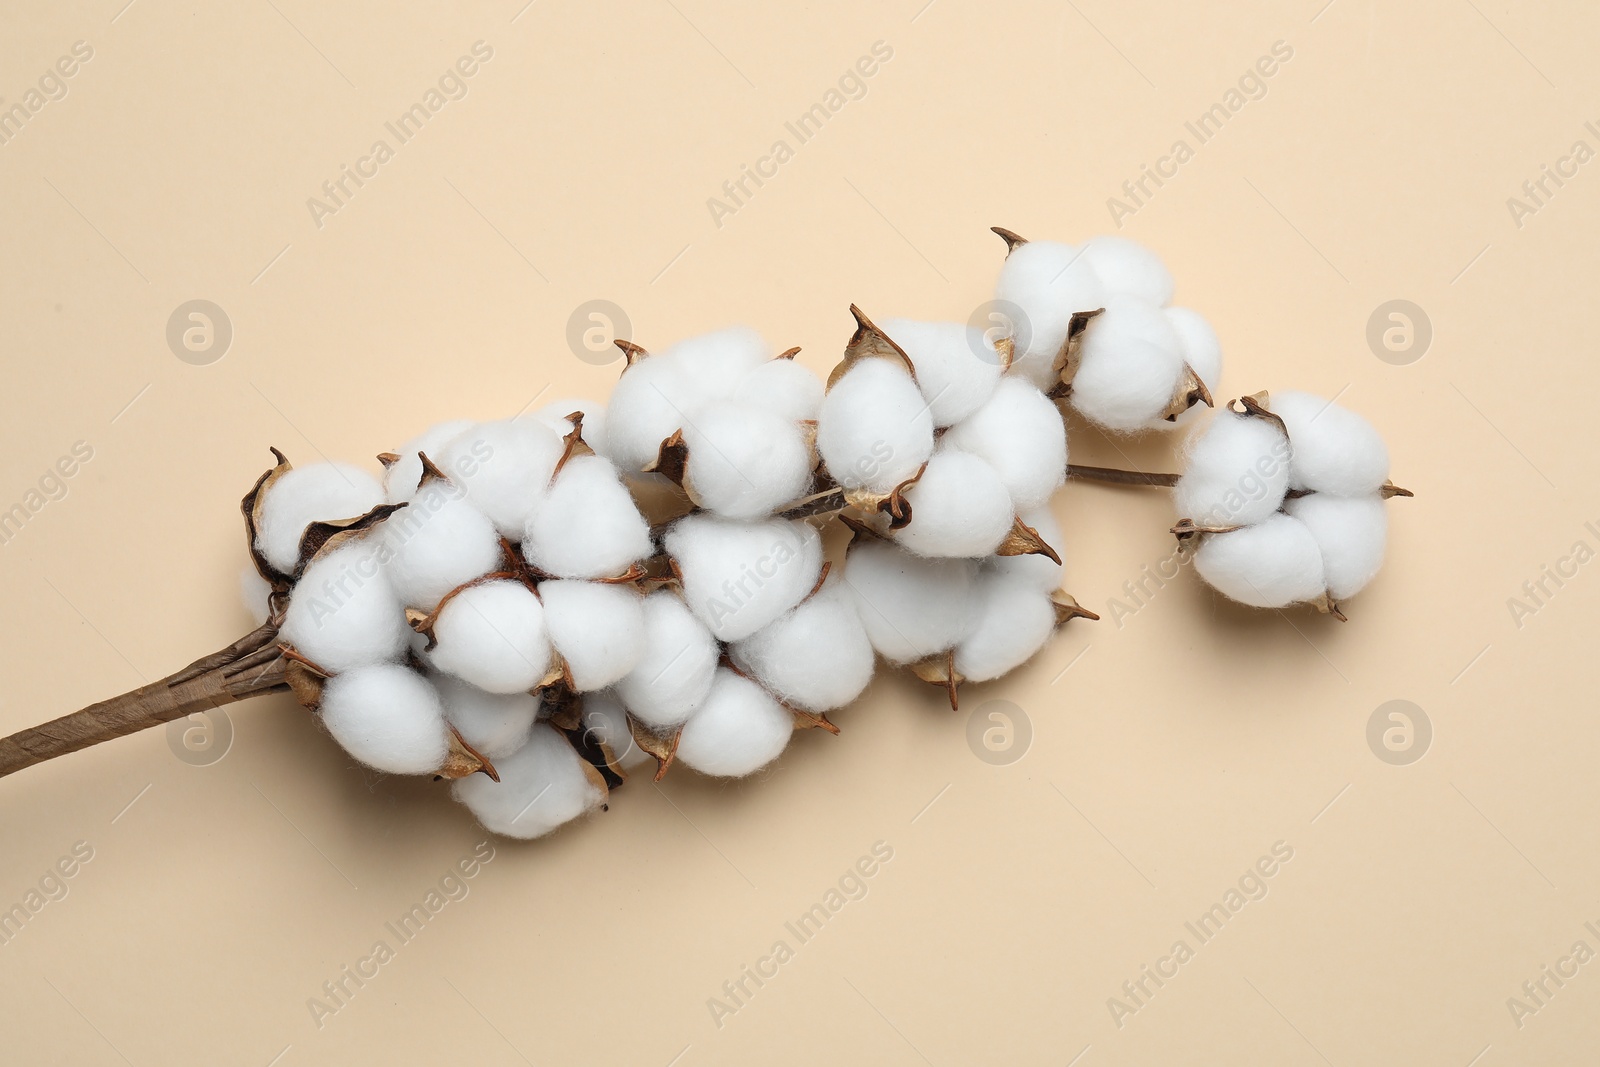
x=1113, y=476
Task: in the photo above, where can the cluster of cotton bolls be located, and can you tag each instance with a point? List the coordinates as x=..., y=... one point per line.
x=1285, y=496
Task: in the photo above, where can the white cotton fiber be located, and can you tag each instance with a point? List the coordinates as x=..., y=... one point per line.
x=1269, y=565
x=1236, y=473
x=874, y=429
x=256, y=593
x=554, y=415
x=1198, y=344
x=739, y=576
x=1131, y=367
x=606, y=721
x=1351, y=531
x=737, y=731
x=1050, y=282
x=437, y=542
x=343, y=612
x=401, y=479
x=588, y=525
x=542, y=785
x=322, y=492
x=495, y=724
x=674, y=670
x=1128, y=268
x=816, y=657
x=1038, y=570
x=959, y=507
x=647, y=406
x=504, y=468
x=910, y=607
x=388, y=717
x=784, y=387
x=745, y=462
x=1335, y=449
x=1013, y=620
x=1020, y=434
x=957, y=368
x=493, y=636
x=716, y=362
x=597, y=628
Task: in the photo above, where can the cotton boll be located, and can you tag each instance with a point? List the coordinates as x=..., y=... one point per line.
x=493, y=636
x=1237, y=472
x=959, y=507
x=784, y=387
x=739, y=576
x=256, y=593
x=321, y=492
x=816, y=657
x=1334, y=449
x=588, y=525
x=437, y=542
x=910, y=607
x=647, y=407
x=597, y=628
x=504, y=468
x=554, y=415
x=1351, y=531
x=344, y=613
x=542, y=785
x=1127, y=391
x=1050, y=282
x=401, y=479
x=1198, y=344
x=1128, y=268
x=737, y=731
x=954, y=378
x=1020, y=434
x=874, y=429
x=1269, y=565
x=495, y=724
x=745, y=462
x=674, y=671
x=1012, y=621
x=716, y=362
x=388, y=717
x=1037, y=570
x=606, y=720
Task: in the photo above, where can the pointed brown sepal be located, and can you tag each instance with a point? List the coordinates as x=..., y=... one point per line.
x=822, y=576
x=1389, y=491
x=320, y=538
x=634, y=573
x=663, y=748
x=788, y=353
x=430, y=471
x=388, y=459
x=250, y=507
x=463, y=759
x=596, y=754
x=860, y=531
x=940, y=670
x=631, y=352
x=1329, y=606
x=1012, y=240
x=672, y=459
x=1191, y=391
x=561, y=705
x=1067, y=607
x=869, y=342
x=1069, y=357
x=1187, y=530
x=1258, y=405
x=896, y=506
x=558, y=676
x=575, y=445
x=1024, y=540
x=805, y=720
x=1005, y=350
x=305, y=678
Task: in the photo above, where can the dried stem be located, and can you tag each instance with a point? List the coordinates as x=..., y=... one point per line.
x=1113, y=476
x=249, y=667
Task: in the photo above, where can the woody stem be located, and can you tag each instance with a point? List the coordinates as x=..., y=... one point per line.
x=1114, y=476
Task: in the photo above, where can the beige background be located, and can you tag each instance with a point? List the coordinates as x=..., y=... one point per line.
x=1175, y=750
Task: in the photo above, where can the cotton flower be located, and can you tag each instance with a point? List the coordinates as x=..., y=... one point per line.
x=492, y=635
x=388, y=717
x=910, y=607
x=739, y=576
x=344, y=612
x=737, y=731
x=542, y=785
x=437, y=542
x=588, y=525
x=675, y=665
x=816, y=656
x=303, y=495
x=597, y=628
x=495, y=724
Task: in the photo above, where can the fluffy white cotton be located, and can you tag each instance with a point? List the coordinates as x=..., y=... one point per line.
x=959, y=507
x=674, y=671
x=739, y=576
x=606, y=720
x=1049, y=282
x=495, y=724
x=1131, y=367
x=716, y=362
x=588, y=525
x=1020, y=434
x=388, y=717
x=343, y=612
x=504, y=468
x=737, y=731
x=437, y=542
x=874, y=429
x=493, y=636
x=1269, y=565
x=1335, y=449
x=784, y=387
x=1351, y=532
x=647, y=406
x=1039, y=571
x=321, y=492
x=957, y=367
x=910, y=607
x=542, y=785
x=401, y=479
x=597, y=628
x=256, y=593
x=1198, y=344
x=1128, y=268
x=1013, y=620
x=816, y=657
x=745, y=462
x=1236, y=473
x=554, y=415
